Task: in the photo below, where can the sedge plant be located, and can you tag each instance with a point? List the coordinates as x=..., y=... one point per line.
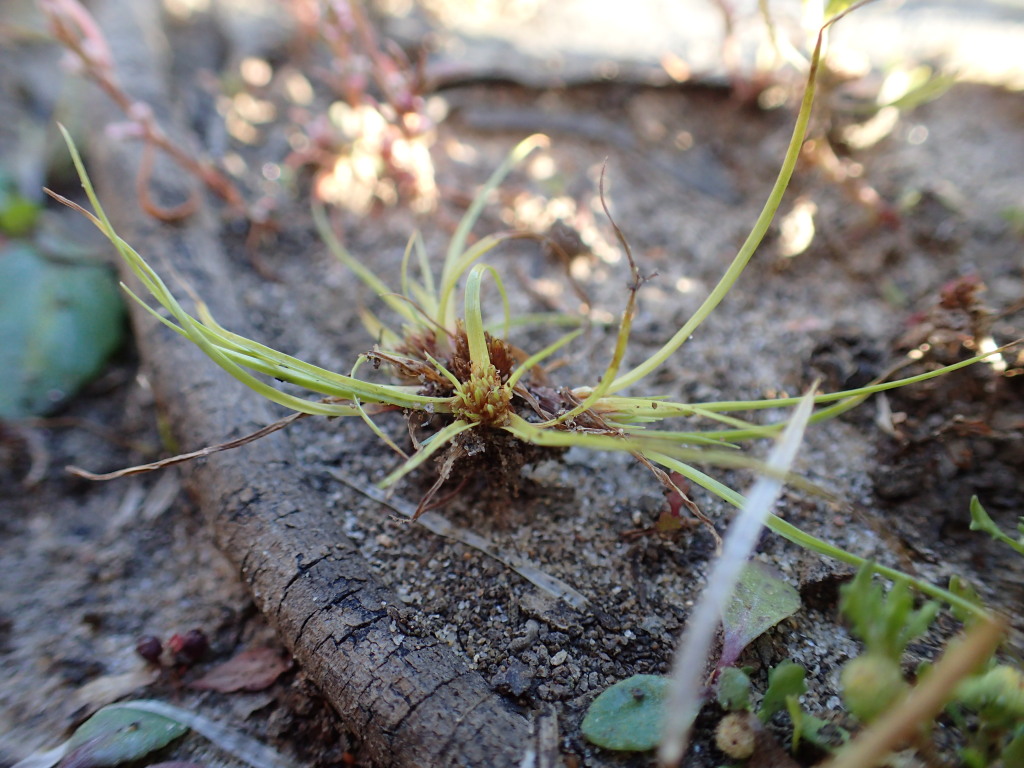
x=457, y=370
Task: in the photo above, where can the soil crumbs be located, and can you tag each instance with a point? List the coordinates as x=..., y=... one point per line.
x=90, y=568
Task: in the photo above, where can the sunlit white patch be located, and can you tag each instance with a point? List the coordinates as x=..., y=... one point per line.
x=996, y=360
x=797, y=228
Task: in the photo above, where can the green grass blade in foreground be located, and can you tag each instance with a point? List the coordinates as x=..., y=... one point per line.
x=369, y=279
x=450, y=279
x=684, y=697
x=748, y=248
x=437, y=441
x=235, y=353
x=279, y=365
x=370, y=422
x=786, y=402
x=539, y=357
x=473, y=313
x=647, y=410
x=665, y=450
x=811, y=543
x=457, y=245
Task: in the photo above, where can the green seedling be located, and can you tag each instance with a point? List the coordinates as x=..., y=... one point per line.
x=786, y=685
x=995, y=727
x=614, y=719
x=886, y=622
x=761, y=600
x=733, y=690
x=988, y=707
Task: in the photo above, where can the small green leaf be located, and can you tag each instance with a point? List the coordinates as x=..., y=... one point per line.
x=786, y=679
x=761, y=600
x=807, y=726
x=886, y=622
x=114, y=736
x=980, y=521
x=996, y=695
x=627, y=717
x=59, y=322
x=733, y=691
x=923, y=85
x=974, y=758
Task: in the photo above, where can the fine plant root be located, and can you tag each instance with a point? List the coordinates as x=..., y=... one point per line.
x=140, y=469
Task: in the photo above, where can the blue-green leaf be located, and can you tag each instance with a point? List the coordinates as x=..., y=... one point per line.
x=627, y=716
x=59, y=321
x=115, y=736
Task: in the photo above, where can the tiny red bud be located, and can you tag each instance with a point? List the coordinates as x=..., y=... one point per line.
x=190, y=647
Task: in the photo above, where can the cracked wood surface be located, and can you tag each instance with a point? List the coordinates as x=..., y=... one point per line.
x=407, y=700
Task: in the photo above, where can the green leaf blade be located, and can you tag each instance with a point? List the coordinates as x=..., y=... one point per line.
x=761, y=600
x=784, y=681
x=115, y=736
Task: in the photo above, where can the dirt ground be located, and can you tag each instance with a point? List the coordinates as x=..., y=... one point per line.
x=89, y=568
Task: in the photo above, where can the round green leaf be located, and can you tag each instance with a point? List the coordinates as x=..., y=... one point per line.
x=59, y=322
x=627, y=717
x=733, y=692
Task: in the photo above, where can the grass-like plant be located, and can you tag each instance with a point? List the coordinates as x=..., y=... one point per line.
x=450, y=369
